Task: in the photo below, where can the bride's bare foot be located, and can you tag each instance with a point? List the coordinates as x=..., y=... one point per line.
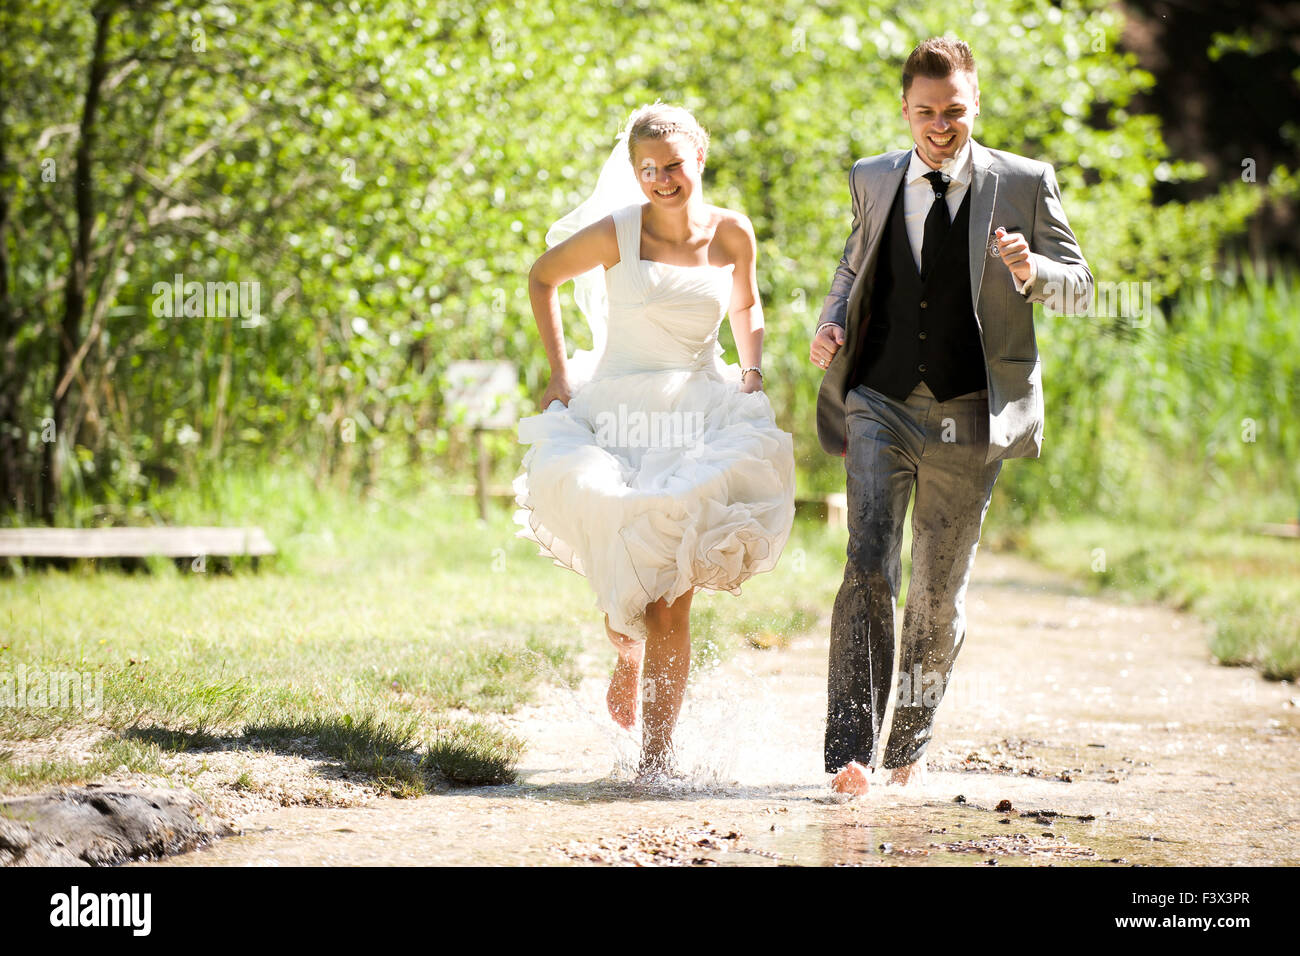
x=626, y=679
x=658, y=769
x=852, y=779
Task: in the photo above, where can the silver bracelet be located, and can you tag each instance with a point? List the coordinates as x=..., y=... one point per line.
x=752, y=368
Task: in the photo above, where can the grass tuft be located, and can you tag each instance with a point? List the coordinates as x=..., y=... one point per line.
x=473, y=754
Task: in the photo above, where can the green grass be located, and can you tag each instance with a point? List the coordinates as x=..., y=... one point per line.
x=474, y=754
x=107, y=757
x=1247, y=586
x=379, y=635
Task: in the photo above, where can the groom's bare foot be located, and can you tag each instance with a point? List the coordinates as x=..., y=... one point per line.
x=658, y=769
x=852, y=779
x=625, y=682
x=912, y=774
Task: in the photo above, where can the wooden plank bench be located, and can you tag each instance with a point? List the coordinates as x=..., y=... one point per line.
x=164, y=542
x=1289, y=530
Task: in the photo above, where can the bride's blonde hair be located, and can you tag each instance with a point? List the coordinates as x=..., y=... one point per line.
x=659, y=120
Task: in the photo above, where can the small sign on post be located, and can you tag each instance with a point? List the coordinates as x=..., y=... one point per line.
x=482, y=395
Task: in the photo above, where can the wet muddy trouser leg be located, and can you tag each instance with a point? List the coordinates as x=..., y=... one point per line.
x=938, y=448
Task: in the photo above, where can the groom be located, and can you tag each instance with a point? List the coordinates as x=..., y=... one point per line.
x=932, y=379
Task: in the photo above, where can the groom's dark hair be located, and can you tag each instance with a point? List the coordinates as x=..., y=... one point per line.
x=937, y=58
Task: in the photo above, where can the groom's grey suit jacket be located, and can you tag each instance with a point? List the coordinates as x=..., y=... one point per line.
x=1006, y=190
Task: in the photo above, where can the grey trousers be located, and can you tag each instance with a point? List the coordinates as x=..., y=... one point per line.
x=938, y=448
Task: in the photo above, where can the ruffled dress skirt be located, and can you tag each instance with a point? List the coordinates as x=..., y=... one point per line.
x=654, y=483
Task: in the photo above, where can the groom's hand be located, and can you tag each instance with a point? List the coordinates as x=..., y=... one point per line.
x=825, y=344
x=1014, y=250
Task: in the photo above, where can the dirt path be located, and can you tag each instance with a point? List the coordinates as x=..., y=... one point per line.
x=1106, y=727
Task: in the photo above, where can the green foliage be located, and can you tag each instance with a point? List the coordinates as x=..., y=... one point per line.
x=1190, y=418
x=386, y=174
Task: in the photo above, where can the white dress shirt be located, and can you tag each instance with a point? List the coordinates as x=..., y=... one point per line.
x=918, y=196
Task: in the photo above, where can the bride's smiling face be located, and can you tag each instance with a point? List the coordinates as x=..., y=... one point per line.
x=669, y=170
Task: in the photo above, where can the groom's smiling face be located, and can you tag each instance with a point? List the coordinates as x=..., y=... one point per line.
x=941, y=112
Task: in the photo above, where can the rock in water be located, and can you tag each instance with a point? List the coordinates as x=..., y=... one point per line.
x=103, y=826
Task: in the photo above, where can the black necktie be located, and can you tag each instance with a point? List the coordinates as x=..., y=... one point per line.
x=936, y=222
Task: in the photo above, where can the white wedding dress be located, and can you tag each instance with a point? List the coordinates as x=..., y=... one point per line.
x=660, y=476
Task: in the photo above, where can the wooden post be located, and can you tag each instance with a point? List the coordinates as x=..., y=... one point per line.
x=837, y=509
x=480, y=473
x=481, y=396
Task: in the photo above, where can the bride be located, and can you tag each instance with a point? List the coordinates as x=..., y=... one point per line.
x=656, y=468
